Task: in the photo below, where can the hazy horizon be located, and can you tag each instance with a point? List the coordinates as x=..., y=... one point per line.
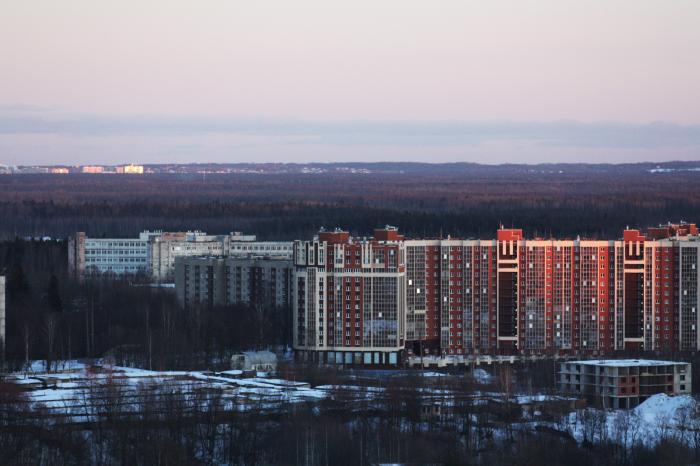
x=530, y=81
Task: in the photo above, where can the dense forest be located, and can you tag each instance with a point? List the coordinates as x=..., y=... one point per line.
x=544, y=201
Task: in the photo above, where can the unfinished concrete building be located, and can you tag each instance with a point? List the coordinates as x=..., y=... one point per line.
x=624, y=383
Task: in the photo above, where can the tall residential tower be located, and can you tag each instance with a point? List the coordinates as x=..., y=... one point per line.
x=349, y=302
x=507, y=295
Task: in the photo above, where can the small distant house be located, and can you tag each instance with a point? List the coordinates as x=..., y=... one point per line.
x=254, y=361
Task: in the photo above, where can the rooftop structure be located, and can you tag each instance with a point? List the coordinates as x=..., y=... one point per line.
x=670, y=230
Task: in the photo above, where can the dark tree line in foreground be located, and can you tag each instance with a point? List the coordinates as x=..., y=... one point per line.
x=113, y=423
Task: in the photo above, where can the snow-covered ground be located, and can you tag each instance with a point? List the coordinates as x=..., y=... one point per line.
x=481, y=376
x=662, y=406
x=72, y=390
x=659, y=417
x=68, y=390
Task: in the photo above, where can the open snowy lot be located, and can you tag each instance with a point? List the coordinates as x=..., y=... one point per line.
x=78, y=392
x=75, y=387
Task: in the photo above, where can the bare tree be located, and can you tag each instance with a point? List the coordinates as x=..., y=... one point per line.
x=49, y=329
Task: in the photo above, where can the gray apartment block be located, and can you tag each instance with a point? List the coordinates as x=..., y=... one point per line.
x=252, y=280
x=624, y=383
x=164, y=249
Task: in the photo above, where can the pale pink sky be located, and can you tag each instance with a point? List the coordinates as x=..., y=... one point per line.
x=381, y=61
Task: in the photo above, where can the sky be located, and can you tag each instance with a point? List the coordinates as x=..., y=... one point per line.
x=518, y=81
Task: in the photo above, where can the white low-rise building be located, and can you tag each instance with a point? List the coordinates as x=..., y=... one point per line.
x=153, y=253
x=265, y=361
x=116, y=256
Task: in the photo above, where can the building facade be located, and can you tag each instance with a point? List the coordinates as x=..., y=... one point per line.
x=624, y=383
x=165, y=248
x=76, y=255
x=372, y=299
x=548, y=296
x=130, y=169
x=219, y=281
x=153, y=253
x=92, y=169
x=241, y=245
x=507, y=295
x=117, y=256
x=349, y=302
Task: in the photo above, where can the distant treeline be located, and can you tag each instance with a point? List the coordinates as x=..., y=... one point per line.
x=596, y=204
x=300, y=220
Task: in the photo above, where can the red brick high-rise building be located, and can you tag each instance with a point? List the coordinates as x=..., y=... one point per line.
x=349, y=298
x=512, y=295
